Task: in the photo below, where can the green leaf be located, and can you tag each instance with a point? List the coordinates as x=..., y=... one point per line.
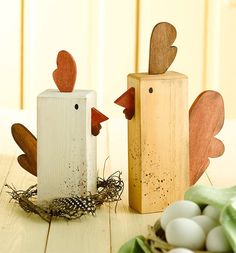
x=208, y=195
x=135, y=245
x=228, y=221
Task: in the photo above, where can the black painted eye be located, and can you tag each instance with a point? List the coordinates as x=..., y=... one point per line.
x=150, y=90
x=76, y=106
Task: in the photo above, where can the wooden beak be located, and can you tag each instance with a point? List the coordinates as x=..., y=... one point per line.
x=97, y=118
x=127, y=100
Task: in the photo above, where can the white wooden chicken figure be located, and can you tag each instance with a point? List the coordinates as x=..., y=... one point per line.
x=67, y=123
x=163, y=162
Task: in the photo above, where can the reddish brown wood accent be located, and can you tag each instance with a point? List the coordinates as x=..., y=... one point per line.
x=206, y=118
x=161, y=52
x=65, y=74
x=28, y=144
x=127, y=100
x=97, y=118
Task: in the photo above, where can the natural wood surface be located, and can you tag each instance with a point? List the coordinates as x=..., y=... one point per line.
x=161, y=52
x=65, y=74
x=21, y=232
x=158, y=141
x=28, y=144
x=206, y=118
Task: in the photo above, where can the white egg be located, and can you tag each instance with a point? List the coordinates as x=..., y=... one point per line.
x=216, y=241
x=212, y=212
x=186, y=233
x=182, y=208
x=180, y=250
x=206, y=222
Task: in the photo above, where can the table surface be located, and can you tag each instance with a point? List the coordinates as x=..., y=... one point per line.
x=107, y=231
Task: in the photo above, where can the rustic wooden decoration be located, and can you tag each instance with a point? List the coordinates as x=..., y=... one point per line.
x=28, y=144
x=65, y=74
x=206, y=118
x=158, y=141
x=162, y=53
x=97, y=118
x=127, y=100
x=67, y=154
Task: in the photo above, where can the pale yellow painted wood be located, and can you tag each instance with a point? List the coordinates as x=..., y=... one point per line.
x=158, y=137
x=188, y=17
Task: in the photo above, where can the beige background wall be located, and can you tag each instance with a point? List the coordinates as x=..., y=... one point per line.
x=109, y=39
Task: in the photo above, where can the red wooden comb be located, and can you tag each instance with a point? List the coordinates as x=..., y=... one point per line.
x=65, y=74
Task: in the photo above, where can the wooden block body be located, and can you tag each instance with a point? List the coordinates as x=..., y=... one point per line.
x=158, y=141
x=66, y=155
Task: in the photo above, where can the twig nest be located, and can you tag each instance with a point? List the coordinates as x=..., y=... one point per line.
x=109, y=190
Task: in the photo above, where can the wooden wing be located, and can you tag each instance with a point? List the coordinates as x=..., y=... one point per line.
x=28, y=144
x=206, y=118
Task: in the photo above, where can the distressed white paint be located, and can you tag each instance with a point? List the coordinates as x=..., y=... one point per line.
x=66, y=148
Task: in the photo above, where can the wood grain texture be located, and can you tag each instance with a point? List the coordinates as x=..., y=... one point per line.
x=127, y=100
x=161, y=52
x=206, y=119
x=20, y=231
x=158, y=141
x=28, y=144
x=67, y=152
x=88, y=234
x=65, y=74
